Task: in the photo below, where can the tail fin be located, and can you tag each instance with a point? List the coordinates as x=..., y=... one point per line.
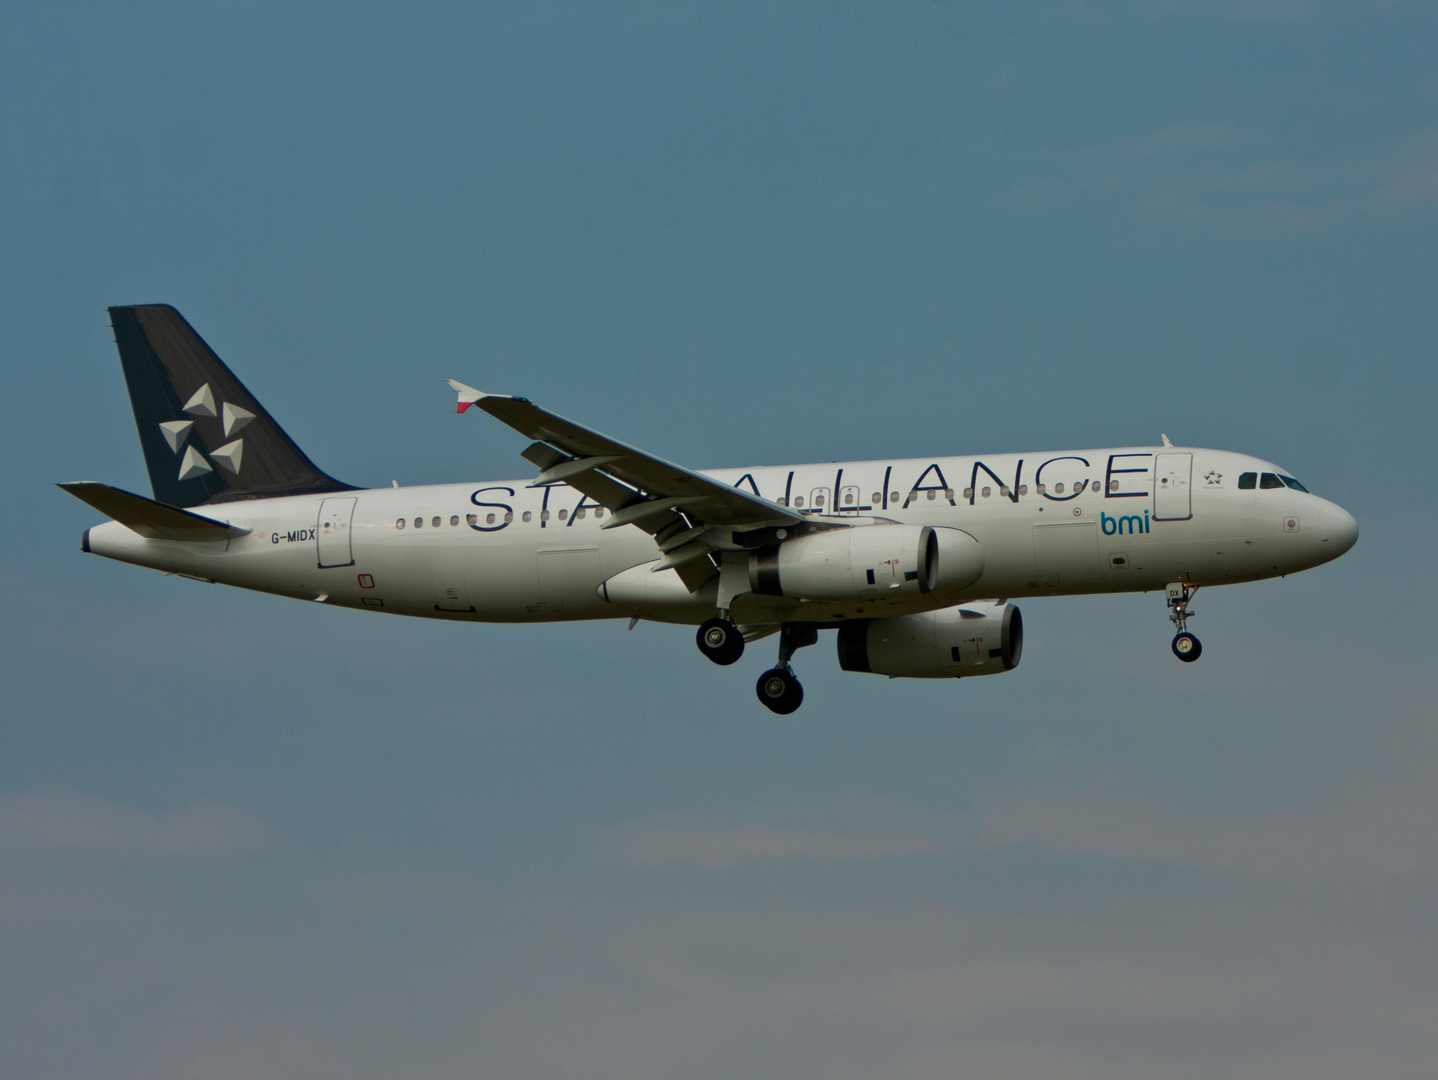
x=206, y=439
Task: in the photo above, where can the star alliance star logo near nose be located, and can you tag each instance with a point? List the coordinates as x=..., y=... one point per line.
x=228, y=456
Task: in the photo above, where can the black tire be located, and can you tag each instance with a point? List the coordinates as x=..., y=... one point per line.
x=720, y=640
x=1187, y=647
x=779, y=691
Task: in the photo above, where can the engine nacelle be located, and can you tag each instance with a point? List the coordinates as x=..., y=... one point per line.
x=868, y=562
x=972, y=639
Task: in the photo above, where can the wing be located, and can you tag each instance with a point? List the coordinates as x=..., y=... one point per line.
x=689, y=514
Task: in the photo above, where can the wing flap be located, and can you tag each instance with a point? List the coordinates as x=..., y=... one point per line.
x=152, y=520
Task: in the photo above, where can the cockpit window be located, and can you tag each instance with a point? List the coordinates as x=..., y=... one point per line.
x=1248, y=481
x=1294, y=484
x=1270, y=480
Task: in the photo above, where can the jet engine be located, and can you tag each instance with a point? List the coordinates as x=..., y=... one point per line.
x=970, y=639
x=868, y=562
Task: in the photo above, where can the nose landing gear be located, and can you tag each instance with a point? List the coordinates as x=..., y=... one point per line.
x=1185, y=646
x=778, y=689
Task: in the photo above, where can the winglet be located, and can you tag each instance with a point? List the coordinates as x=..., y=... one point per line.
x=468, y=395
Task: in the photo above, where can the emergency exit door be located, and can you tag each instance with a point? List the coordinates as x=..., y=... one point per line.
x=332, y=532
x=1172, y=474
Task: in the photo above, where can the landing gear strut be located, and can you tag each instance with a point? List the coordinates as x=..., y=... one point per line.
x=777, y=688
x=1185, y=646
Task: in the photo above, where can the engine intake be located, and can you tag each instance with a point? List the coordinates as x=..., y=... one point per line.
x=972, y=639
x=868, y=562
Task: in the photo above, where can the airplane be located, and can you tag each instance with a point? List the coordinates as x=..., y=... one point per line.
x=916, y=562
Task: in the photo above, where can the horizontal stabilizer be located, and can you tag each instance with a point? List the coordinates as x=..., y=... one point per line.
x=152, y=520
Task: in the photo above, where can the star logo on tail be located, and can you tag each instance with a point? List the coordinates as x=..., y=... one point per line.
x=232, y=418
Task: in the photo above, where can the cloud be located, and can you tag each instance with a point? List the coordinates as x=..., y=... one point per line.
x=1214, y=174
x=722, y=848
x=1271, y=11
x=63, y=821
x=1378, y=827
x=824, y=832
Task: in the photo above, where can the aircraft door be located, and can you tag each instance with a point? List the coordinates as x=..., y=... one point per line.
x=1066, y=553
x=848, y=498
x=332, y=532
x=568, y=578
x=1171, y=487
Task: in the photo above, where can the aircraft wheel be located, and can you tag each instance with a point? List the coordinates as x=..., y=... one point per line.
x=779, y=691
x=1187, y=648
x=720, y=640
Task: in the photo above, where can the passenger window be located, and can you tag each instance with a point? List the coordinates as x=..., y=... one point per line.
x=526, y=516
x=968, y=493
x=544, y=515
x=508, y=517
x=798, y=501
x=579, y=514
x=819, y=500
x=931, y=494
x=1059, y=487
x=1248, y=481
x=399, y=524
x=598, y=512
x=893, y=496
x=454, y=520
x=563, y=515
x=1269, y=480
x=435, y=523
x=419, y=523
x=489, y=519
x=876, y=498
x=987, y=492
x=1023, y=489
x=1294, y=484
x=471, y=519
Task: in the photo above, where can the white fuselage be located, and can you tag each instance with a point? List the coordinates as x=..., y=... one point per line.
x=1050, y=523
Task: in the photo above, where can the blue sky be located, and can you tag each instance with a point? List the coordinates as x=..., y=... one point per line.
x=245, y=837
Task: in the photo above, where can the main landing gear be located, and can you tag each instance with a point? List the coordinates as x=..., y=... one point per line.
x=720, y=640
x=777, y=688
x=1185, y=646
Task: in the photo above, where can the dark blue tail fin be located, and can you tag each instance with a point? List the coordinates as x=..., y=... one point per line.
x=206, y=439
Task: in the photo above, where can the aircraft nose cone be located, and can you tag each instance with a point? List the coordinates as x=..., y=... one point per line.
x=1340, y=531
